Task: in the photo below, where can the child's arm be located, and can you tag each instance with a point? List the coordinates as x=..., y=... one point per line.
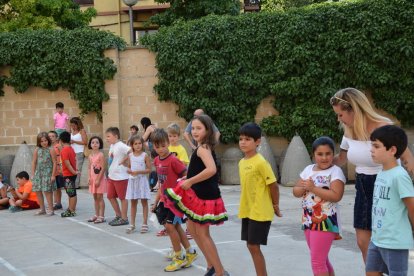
x=299, y=189
x=89, y=170
x=69, y=166
x=53, y=156
x=3, y=191
x=101, y=173
x=157, y=198
x=209, y=171
x=334, y=194
x=34, y=162
x=274, y=193
x=409, y=203
x=147, y=165
x=18, y=195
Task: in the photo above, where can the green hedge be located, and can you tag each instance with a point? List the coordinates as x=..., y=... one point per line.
x=67, y=59
x=228, y=64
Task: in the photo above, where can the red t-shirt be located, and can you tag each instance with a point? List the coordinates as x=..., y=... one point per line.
x=67, y=153
x=169, y=170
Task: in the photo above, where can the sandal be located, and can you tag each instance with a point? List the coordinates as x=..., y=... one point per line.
x=40, y=212
x=130, y=229
x=144, y=228
x=92, y=219
x=99, y=220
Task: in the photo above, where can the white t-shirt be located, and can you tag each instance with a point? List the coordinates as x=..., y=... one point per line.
x=359, y=154
x=117, y=152
x=78, y=138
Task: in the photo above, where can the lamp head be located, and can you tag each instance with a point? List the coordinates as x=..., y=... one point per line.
x=130, y=3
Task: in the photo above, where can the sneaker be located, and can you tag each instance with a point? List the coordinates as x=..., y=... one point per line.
x=190, y=257
x=68, y=213
x=162, y=232
x=114, y=220
x=176, y=264
x=170, y=255
x=189, y=237
x=14, y=209
x=57, y=206
x=210, y=272
x=120, y=222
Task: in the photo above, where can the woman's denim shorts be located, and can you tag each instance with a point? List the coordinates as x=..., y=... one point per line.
x=364, y=185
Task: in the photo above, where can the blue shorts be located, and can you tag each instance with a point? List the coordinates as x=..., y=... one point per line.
x=393, y=262
x=364, y=185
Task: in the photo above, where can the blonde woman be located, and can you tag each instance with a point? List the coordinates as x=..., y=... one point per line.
x=359, y=119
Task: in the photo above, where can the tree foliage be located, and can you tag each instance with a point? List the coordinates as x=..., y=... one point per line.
x=67, y=59
x=194, y=9
x=227, y=65
x=280, y=5
x=42, y=14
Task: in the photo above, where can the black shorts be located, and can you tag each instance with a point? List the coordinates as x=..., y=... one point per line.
x=255, y=232
x=165, y=215
x=60, y=182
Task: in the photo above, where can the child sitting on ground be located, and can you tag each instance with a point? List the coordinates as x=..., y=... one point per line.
x=23, y=198
x=4, y=200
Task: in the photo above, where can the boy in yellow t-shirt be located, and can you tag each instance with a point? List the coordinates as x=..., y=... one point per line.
x=175, y=147
x=259, y=199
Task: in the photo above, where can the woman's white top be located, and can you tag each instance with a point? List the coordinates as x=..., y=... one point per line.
x=359, y=154
x=76, y=147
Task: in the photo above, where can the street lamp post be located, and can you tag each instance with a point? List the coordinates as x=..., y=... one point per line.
x=130, y=4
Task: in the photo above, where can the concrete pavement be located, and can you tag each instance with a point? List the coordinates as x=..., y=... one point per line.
x=33, y=245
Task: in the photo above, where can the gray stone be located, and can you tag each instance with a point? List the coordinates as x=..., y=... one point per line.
x=84, y=174
x=265, y=150
x=22, y=162
x=6, y=162
x=230, y=166
x=296, y=159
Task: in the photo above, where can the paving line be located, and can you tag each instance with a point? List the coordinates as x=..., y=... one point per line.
x=159, y=251
x=11, y=268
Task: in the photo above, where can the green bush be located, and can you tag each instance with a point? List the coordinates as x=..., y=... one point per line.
x=228, y=64
x=53, y=59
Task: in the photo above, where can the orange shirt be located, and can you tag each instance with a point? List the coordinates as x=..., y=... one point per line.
x=58, y=160
x=27, y=188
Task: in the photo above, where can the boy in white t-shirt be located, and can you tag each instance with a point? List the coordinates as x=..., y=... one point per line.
x=393, y=206
x=117, y=176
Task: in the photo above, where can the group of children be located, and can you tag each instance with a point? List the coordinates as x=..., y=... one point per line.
x=189, y=193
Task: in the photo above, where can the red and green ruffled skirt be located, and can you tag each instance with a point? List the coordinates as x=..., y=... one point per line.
x=203, y=211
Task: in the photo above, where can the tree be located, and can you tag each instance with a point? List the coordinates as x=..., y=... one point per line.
x=42, y=14
x=278, y=5
x=188, y=10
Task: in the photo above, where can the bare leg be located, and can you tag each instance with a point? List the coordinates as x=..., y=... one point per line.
x=174, y=237
x=134, y=203
x=115, y=206
x=183, y=237
x=49, y=199
x=41, y=200
x=258, y=259
x=101, y=205
x=124, y=209
x=191, y=226
x=58, y=195
x=144, y=203
x=72, y=203
x=363, y=239
x=96, y=204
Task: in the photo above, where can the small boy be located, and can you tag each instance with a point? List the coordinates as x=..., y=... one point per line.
x=169, y=169
x=133, y=130
x=392, y=207
x=57, y=194
x=4, y=200
x=69, y=173
x=23, y=198
x=259, y=199
x=61, y=119
x=175, y=147
x=117, y=176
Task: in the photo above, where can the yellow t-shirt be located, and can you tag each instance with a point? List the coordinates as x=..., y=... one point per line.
x=256, y=175
x=180, y=153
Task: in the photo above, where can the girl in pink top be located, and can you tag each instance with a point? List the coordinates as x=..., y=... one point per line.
x=97, y=179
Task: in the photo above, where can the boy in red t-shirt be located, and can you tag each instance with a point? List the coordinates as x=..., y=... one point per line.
x=169, y=169
x=69, y=173
x=23, y=198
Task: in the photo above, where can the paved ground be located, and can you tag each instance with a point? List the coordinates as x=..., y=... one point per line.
x=52, y=245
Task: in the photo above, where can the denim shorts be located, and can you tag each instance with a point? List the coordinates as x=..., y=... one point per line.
x=364, y=185
x=389, y=261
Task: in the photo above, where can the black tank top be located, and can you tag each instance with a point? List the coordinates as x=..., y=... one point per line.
x=207, y=189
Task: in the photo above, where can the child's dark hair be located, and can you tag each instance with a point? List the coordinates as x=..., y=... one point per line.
x=136, y=138
x=99, y=140
x=113, y=131
x=159, y=137
x=323, y=141
x=252, y=130
x=145, y=122
x=134, y=127
x=389, y=136
x=55, y=133
x=23, y=174
x=60, y=105
x=77, y=121
x=210, y=138
x=65, y=137
x=39, y=138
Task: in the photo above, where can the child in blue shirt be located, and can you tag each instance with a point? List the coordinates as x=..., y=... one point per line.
x=393, y=206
